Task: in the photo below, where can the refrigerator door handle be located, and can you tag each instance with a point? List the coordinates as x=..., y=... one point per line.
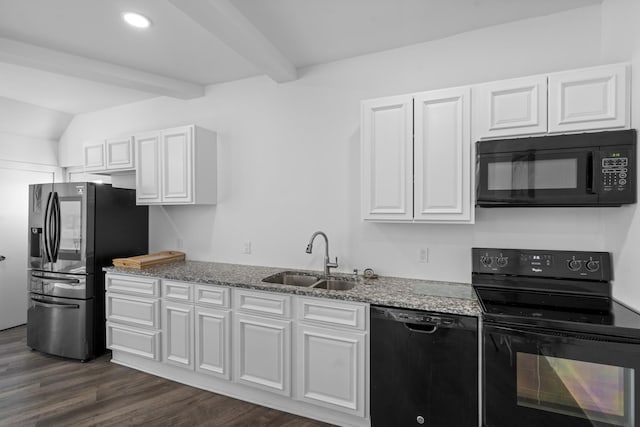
x=55, y=279
x=47, y=230
x=56, y=226
x=42, y=303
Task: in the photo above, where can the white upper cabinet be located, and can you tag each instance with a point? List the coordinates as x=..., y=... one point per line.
x=176, y=166
x=416, y=158
x=510, y=107
x=109, y=156
x=442, y=156
x=583, y=100
x=93, y=156
x=387, y=153
x=148, y=168
x=119, y=153
x=589, y=99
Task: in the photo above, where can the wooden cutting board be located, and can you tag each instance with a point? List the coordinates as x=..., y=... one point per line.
x=148, y=260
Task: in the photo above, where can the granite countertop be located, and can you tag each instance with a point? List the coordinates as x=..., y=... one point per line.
x=445, y=297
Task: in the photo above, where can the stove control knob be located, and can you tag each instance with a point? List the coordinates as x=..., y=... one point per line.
x=593, y=266
x=574, y=264
x=502, y=261
x=485, y=261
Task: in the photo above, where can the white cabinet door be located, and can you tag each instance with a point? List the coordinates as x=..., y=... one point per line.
x=510, y=107
x=138, y=341
x=589, y=99
x=331, y=367
x=387, y=144
x=213, y=341
x=442, y=156
x=177, y=328
x=119, y=152
x=262, y=349
x=148, y=168
x=177, y=165
x=93, y=156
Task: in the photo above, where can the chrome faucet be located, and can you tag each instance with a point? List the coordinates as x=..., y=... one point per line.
x=327, y=263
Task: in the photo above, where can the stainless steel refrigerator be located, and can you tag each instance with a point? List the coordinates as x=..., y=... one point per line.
x=76, y=229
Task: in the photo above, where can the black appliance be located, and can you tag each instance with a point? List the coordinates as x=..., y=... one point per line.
x=76, y=229
x=424, y=368
x=558, y=350
x=588, y=169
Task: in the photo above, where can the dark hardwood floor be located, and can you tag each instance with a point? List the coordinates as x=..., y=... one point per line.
x=41, y=390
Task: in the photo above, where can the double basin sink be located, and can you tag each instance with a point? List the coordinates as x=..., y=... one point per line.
x=307, y=280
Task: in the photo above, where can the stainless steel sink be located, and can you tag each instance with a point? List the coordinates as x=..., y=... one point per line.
x=293, y=278
x=299, y=278
x=335, y=284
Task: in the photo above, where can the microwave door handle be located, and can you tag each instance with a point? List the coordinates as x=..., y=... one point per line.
x=591, y=172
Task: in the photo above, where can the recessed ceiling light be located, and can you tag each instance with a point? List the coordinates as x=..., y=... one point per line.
x=136, y=20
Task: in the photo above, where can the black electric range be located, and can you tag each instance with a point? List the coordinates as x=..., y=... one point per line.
x=557, y=348
x=567, y=290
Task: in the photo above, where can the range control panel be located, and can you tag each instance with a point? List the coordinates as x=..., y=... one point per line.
x=543, y=263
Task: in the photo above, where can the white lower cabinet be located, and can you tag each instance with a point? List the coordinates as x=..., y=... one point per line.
x=262, y=348
x=331, y=368
x=213, y=341
x=137, y=341
x=133, y=315
x=178, y=331
x=305, y=355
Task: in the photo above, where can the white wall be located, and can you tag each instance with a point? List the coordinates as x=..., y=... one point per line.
x=289, y=157
x=25, y=149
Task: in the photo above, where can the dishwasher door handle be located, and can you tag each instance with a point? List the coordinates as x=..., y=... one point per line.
x=425, y=328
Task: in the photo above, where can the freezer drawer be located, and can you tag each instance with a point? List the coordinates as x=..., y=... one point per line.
x=76, y=286
x=60, y=326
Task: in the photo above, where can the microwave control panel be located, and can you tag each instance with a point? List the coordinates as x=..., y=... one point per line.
x=617, y=173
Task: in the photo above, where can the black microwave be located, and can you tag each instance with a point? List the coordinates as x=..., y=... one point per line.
x=587, y=169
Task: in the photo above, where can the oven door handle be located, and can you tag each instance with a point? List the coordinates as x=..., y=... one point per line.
x=545, y=333
x=42, y=303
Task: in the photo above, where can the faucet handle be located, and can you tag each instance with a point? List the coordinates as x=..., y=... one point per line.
x=333, y=264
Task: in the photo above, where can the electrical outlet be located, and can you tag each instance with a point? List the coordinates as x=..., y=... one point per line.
x=423, y=255
x=246, y=247
x=179, y=243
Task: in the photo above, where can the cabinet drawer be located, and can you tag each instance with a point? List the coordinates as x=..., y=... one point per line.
x=133, y=310
x=140, y=342
x=213, y=296
x=177, y=291
x=133, y=285
x=262, y=302
x=335, y=313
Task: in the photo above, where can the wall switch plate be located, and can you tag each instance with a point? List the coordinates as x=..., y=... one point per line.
x=246, y=247
x=423, y=255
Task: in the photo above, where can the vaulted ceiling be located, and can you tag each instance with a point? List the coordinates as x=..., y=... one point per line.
x=67, y=57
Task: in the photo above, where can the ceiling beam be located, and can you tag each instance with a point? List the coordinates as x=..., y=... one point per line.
x=230, y=26
x=28, y=55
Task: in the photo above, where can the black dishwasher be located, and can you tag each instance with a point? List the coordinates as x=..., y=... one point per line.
x=424, y=368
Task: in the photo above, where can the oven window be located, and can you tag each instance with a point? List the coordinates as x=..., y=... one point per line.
x=597, y=392
x=533, y=174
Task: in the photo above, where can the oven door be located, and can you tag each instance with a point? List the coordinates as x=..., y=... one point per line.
x=535, y=377
x=536, y=178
